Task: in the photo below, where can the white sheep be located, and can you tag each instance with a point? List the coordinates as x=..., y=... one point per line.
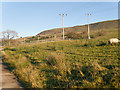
x=113, y=40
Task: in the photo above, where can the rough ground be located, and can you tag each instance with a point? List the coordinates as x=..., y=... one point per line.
x=8, y=79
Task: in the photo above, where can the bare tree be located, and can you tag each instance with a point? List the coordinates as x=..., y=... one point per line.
x=9, y=34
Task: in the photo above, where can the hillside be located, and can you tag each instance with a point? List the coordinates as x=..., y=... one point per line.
x=101, y=30
x=69, y=63
x=105, y=25
x=65, y=64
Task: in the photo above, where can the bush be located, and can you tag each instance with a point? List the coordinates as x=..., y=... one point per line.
x=44, y=37
x=73, y=35
x=53, y=48
x=100, y=33
x=58, y=62
x=92, y=36
x=33, y=36
x=101, y=43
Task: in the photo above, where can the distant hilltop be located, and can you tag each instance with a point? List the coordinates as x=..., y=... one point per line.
x=105, y=25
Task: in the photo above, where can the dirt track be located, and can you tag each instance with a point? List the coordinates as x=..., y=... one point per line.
x=8, y=78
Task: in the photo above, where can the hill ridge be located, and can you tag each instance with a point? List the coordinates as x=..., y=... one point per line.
x=110, y=24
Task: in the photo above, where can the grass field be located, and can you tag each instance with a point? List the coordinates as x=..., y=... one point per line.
x=69, y=63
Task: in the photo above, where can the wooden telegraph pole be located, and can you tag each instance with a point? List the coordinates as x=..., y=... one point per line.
x=63, y=23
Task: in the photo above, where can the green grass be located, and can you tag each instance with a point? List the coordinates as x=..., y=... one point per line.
x=72, y=64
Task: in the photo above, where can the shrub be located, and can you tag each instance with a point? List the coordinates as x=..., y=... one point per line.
x=33, y=36
x=73, y=35
x=100, y=33
x=92, y=36
x=58, y=62
x=42, y=37
x=101, y=43
x=53, y=48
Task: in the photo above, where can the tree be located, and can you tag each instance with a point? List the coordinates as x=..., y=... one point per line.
x=9, y=34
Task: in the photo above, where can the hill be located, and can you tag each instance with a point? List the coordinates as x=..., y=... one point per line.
x=65, y=64
x=80, y=63
x=105, y=25
x=101, y=30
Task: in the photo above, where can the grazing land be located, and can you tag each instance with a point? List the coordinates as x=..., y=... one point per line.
x=75, y=62
x=69, y=63
x=60, y=45
x=105, y=26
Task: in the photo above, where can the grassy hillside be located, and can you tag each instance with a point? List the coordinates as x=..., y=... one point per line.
x=100, y=26
x=101, y=30
x=77, y=63
x=70, y=64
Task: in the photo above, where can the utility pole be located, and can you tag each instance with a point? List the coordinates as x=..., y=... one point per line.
x=9, y=42
x=38, y=38
x=24, y=40
x=55, y=36
x=63, y=23
x=88, y=26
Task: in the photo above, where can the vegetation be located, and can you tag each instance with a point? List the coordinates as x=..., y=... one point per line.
x=78, y=63
x=100, y=30
x=70, y=64
x=99, y=26
x=74, y=35
x=9, y=34
x=8, y=37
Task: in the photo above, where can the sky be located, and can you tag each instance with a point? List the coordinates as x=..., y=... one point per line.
x=31, y=18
